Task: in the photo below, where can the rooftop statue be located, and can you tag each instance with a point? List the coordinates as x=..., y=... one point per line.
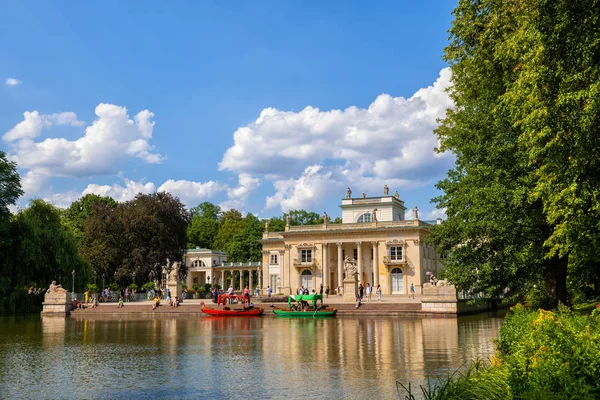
x=386, y=190
x=325, y=218
x=267, y=226
x=374, y=215
x=415, y=213
x=364, y=196
x=348, y=193
x=396, y=195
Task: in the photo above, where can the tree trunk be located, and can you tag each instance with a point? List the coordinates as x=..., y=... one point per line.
x=560, y=276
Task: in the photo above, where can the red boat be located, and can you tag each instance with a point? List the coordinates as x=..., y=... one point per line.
x=228, y=312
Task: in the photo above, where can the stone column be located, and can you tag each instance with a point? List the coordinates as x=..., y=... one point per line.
x=232, y=281
x=223, y=280
x=359, y=263
x=325, y=279
x=250, y=287
x=241, y=279
x=375, y=265
x=281, y=268
x=340, y=266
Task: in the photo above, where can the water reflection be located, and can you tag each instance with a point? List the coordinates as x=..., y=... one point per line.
x=190, y=357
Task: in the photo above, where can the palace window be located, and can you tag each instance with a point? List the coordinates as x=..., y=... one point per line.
x=366, y=217
x=274, y=260
x=198, y=263
x=355, y=254
x=396, y=253
x=306, y=256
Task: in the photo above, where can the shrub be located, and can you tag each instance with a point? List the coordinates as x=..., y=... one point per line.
x=149, y=286
x=207, y=287
x=133, y=287
x=93, y=288
x=113, y=286
x=183, y=286
x=195, y=287
x=550, y=354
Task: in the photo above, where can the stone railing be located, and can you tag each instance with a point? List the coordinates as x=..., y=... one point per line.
x=303, y=264
x=241, y=264
x=390, y=260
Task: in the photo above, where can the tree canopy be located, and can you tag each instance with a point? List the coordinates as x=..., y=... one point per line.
x=522, y=200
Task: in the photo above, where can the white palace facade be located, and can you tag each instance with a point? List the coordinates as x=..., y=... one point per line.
x=388, y=249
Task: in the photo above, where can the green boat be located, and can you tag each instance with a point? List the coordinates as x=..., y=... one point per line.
x=298, y=306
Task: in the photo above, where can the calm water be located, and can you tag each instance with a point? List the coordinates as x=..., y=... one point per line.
x=251, y=358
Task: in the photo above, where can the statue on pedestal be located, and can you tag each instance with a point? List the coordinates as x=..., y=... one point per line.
x=348, y=193
x=374, y=215
x=54, y=288
x=386, y=190
x=415, y=213
x=267, y=226
x=325, y=218
x=364, y=196
x=396, y=195
x=349, y=267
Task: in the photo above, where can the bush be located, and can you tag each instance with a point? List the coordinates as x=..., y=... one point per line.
x=133, y=287
x=149, y=286
x=93, y=288
x=183, y=286
x=113, y=287
x=551, y=353
x=195, y=287
x=207, y=287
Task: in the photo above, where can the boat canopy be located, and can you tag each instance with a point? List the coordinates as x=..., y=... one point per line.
x=305, y=297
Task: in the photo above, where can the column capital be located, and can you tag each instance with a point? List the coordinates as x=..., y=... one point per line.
x=287, y=246
x=282, y=252
x=358, y=244
x=339, y=244
x=375, y=244
x=265, y=252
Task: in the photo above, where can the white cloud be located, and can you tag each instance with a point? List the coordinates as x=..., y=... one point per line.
x=238, y=196
x=12, y=82
x=112, y=138
x=121, y=193
x=192, y=193
x=390, y=142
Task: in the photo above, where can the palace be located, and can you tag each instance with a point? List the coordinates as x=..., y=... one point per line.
x=388, y=249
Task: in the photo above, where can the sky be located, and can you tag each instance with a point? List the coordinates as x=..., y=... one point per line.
x=263, y=106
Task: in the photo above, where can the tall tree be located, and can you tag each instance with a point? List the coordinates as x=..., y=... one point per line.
x=303, y=217
x=245, y=246
x=75, y=216
x=204, y=225
x=524, y=192
x=10, y=186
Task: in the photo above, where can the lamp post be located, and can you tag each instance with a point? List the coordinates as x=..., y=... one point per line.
x=103, y=276
x=95, y=276
x=133, y=278
x=115, y=276
x=73, y=289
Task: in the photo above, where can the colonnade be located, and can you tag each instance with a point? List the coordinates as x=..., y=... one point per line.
x=229, y=273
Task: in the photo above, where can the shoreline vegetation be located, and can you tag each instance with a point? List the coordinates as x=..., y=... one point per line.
x=540, y=355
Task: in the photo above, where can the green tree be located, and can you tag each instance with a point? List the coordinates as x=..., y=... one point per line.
x=75, y=216
x=523, y=195
x=231, y=223
x=277, y=224
x=10, y=186
x=139, y=236
x=303, y=217
x=204, y=225
x=245, y=246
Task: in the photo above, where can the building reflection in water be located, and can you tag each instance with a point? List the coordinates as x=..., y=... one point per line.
x=260, y=357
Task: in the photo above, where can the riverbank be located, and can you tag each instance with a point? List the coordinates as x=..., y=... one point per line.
x=389, y=306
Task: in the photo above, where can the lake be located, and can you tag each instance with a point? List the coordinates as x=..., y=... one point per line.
x=253, y=358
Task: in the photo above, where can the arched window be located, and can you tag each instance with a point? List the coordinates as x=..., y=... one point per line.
x=307, y=279
x=198, y=263
x=397, y=281
x=366, y=217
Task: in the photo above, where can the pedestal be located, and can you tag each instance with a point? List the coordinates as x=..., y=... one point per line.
x=57, y=304
x=175, y=289
x=350, y=289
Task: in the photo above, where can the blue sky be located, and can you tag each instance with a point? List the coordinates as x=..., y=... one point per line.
x=227, y=86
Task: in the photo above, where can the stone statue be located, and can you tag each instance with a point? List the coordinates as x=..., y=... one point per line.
x=267, y=226
x=396, y=195
x=415, y=213
x=54, y=288
x=374, y=215
x=349, y=266
x=288, y=218
x=386, y=190
x=364, y=196
x=325, y=218
x=348, y=193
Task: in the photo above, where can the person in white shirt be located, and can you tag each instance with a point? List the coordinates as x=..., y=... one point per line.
x=369, y=291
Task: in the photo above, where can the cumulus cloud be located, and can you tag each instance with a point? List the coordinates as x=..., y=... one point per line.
x=192, y=193
x=112, y=138
x=390, y=142
x=12, y=82
x=238, y=196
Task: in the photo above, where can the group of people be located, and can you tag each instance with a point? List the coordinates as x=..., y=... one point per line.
x=368, y=292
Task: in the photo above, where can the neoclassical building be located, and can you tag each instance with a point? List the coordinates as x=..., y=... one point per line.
x=388, y=249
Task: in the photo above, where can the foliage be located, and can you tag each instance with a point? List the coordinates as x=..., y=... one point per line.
x=204, y=225
x=93, y=288
x=479, y=381
x=114, y=286
x=522, y=200
x=195, y=287
x=184, y=286
x=245, y=245
x=78, y=212
x=10, y=186
x=596, y=311
x=149, y=286
x=303, y=217
x=207, y=287
x=138, y=236
x=551, y=353
x=541, y=355
x=133, y=287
